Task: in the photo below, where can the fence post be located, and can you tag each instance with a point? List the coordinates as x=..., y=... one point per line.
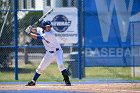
x=26, y=54
x=79, y=39
x=16, y=39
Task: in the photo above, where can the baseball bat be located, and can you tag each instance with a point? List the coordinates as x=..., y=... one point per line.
x=48, y=12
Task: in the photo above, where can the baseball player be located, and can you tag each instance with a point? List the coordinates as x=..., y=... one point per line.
x=53, y=50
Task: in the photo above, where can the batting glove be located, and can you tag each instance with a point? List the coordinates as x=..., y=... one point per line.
x=28, y=29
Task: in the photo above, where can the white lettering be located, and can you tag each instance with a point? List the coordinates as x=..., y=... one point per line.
x=105, y=16
x=112, y=52
x=127, y=52
x=119, y=52
x=123, y=15
x=104, y=52
x=61, y=23
x=97, y=52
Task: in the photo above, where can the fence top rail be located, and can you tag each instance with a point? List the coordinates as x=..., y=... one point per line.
x=39, y=46
x=21, y=10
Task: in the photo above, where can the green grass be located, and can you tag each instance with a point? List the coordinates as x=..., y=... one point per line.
x=52, y=73
x=26, y=73
x=109, y=72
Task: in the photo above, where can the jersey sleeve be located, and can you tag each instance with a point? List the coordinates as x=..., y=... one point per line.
x=39, y=30
x=45, y=38
x=39, y=37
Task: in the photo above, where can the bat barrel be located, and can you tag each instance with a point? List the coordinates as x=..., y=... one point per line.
x=50, y=11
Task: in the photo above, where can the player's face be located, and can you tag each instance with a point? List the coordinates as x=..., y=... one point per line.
x=48, y=28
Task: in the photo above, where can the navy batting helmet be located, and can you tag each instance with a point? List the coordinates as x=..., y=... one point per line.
x=45, y=23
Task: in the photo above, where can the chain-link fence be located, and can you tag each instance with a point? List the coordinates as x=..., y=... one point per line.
x=109, y=40
x=102, y=37
x=30, y=51
x=6, y=39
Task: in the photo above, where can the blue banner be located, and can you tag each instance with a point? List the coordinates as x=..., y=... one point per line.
x=108, y=29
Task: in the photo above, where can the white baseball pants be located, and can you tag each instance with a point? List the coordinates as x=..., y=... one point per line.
x=49, y=58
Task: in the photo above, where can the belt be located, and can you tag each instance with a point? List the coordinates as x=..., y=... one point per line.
x=53, y=51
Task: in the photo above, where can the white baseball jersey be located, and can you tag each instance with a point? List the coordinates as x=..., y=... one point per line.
x=51, y=44
x=49, y=40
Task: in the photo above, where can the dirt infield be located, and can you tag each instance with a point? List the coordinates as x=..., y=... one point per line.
x=96, y=88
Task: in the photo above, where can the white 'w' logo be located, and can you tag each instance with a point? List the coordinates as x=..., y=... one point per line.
x=105, y=16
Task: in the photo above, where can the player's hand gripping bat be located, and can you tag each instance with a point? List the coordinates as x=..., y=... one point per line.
x=28, y=29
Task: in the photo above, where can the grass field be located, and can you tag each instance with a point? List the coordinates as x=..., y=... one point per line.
x=52, y=73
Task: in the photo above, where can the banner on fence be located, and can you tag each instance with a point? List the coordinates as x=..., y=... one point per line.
x=64, y=24
x=109, y=35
